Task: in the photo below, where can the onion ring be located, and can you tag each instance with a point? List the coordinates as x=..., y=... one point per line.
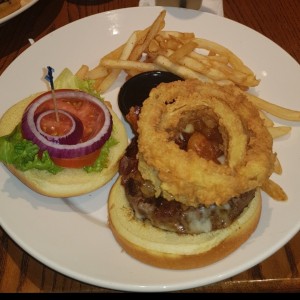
x=249, y=159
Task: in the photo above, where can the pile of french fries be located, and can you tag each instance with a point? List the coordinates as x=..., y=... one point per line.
x=186, y=56
x=178, y=52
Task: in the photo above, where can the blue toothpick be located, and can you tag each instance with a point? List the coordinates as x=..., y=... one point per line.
x=49, y=78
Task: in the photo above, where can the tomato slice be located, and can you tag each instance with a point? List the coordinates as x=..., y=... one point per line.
x=54, y=127
x=91, y=116
x=77, y=162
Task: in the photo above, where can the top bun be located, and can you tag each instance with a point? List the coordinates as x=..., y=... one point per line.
x=69, y=182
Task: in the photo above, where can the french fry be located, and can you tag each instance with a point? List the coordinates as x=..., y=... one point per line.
x=274, y=190
x=183, y=51
x=97, y=72
x=208, y=59
x=178, y=69
x=171, y=43
x=220, y=65
x=129, y=46
x=279, y=131
x=81, y=73
x=267, y=121
x=126, y=51
x=182, y=36
x=192, y=64
x=211, y=72
x=153, y=46
x=233, y=74
x=157, y=25
x=132, y=50
x=130, y=65
x=108, y=81
x=234, y=60
x=115, y=53
x=273, y=109
x=98, y=82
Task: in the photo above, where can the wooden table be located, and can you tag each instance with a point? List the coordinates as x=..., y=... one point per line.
x=277, y=19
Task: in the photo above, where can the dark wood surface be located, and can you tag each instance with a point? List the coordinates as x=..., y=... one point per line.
x=279, y=20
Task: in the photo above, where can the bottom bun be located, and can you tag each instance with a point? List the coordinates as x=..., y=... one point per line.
x=170, y=250
x=69, y=182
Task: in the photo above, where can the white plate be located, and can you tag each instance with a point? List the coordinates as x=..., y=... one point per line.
x=71, y=235
x=17, y=12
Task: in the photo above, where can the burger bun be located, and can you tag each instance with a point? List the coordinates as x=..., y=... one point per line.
x=170, y=250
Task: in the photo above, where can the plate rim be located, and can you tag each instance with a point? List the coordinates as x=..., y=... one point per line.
x=149, y=288
x=17, y=12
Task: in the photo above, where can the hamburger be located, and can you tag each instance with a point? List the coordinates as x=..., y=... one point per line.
x=189, y=190
x=71, y=155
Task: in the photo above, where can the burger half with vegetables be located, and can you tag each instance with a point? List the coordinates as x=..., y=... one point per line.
x=64, y=148
x=188, y=193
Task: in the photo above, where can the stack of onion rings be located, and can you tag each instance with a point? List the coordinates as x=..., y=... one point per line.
x=184, y=175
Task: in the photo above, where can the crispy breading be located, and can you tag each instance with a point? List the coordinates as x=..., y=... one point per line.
x=184, y=175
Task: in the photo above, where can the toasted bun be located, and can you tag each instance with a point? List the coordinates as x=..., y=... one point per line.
x=170, y=250
x=69, y=182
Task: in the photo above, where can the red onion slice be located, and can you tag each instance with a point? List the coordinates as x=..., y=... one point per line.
x=73, y=135
x=59, y=150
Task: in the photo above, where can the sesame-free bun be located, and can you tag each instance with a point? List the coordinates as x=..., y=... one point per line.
x=170, y=250
x=69, y=182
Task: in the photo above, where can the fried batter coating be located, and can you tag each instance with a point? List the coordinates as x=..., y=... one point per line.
x=184, y=175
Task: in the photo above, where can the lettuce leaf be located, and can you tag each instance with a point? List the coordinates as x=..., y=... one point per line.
x=24, y=154
x=102, y=160
x=67, y=80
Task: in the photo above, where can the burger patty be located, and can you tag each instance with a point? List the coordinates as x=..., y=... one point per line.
x=173, y=215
